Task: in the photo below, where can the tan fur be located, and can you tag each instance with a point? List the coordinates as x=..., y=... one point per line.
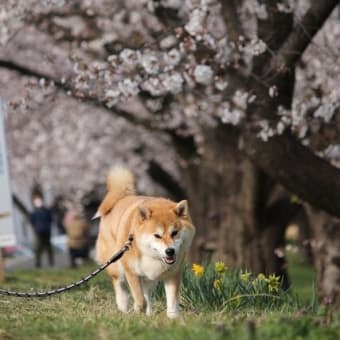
x=123, y=213
x=120, y=182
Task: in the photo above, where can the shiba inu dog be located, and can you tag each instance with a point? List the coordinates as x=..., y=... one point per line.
x=162, y=232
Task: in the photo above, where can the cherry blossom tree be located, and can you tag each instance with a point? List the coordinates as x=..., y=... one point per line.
x=247, y=92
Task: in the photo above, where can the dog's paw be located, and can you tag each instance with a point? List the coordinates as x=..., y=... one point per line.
x=139, y=308
x=148, y=311
x=123, y=308
x=172, y=314
x=122, y=302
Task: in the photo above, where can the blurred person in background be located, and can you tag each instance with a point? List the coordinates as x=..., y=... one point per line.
x=41, y=219
x=77, y=229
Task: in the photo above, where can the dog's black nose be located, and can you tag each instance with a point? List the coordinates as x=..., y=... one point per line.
x=170, y=251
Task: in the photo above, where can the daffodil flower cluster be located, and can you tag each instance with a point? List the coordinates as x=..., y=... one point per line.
x=272, y=282
x=219, y=268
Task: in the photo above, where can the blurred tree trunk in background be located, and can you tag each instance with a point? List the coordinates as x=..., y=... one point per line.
x=325, y=246
x=229, y=204
x=304, y=235
x=225, y=188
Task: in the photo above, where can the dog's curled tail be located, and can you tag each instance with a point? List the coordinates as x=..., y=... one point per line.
x=120, y=182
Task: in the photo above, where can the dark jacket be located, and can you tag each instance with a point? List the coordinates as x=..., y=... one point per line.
x=41, y=219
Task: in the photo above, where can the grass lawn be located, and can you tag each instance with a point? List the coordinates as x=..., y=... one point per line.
x=232, y=308
x=302, y=277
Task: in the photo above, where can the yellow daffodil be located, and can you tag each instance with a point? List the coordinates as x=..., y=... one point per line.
x=245, y=276
x=220, y=267
x=218, y=284
x=259, y=278
x=273, y=282
x=198, y=270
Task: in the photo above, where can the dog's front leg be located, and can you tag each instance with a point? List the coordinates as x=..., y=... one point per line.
x=136, y=292
x=147, y=286
x=172, y=286
x=121, y=295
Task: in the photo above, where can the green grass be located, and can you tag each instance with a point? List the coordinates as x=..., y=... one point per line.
x=302, y=277
x=235, y=309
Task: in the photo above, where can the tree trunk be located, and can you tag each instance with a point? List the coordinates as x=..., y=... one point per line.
x=226, y=202
x=325, y=245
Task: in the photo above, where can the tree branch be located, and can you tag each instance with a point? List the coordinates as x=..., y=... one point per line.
x=304, y=31
x=65, y=87
x=275, y=28
x=149, y=124
x=283, y=157
x=231, y=19
x=297, y=168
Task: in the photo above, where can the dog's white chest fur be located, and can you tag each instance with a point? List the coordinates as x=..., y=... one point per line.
x=151, y=268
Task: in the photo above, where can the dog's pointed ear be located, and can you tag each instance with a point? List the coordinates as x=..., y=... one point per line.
x=182, y=209
x=144, y=212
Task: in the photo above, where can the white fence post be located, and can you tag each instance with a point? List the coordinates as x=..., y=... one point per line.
x=7, y=235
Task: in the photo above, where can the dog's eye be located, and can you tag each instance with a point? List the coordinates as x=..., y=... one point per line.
x=174, y=233
x=157, y=235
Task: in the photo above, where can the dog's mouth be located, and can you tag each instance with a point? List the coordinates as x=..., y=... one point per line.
x=169, y=259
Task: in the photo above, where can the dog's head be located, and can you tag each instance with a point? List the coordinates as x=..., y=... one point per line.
x=164, y=229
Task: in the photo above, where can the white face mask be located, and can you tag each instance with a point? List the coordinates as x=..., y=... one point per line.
x=37, y=202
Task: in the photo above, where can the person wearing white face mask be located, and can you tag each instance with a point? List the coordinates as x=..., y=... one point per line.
x=41, y=219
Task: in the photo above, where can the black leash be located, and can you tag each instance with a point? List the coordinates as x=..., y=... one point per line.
x=114, y=258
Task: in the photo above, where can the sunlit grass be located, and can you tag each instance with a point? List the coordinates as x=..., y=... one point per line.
x=237, y=308
x=302, y=277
